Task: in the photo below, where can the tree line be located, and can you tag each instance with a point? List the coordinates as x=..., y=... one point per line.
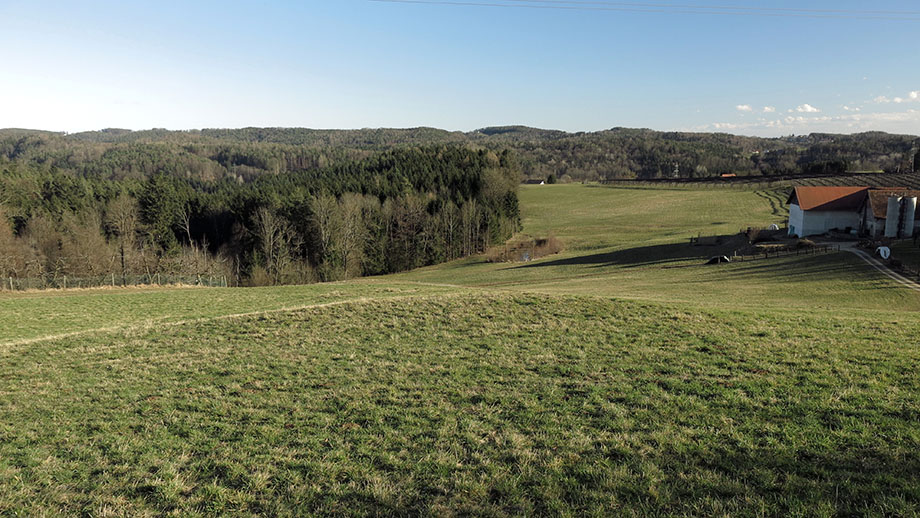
x=211, y=155
x=386, y=212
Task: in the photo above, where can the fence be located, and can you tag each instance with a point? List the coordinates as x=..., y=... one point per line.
x=111, y=280
x=874, y=179
x=750, y=232
x=767, y=254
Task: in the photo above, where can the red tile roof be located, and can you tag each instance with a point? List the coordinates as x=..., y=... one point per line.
x=878, y=199
x=829, y=198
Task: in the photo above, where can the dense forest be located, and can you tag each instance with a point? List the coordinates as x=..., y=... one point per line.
x=276, y=205
x=145, y=209
x=243, y=154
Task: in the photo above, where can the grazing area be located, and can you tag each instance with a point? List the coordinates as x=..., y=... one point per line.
x=37, y=315
x=618, y=377
x=634, y=243
x=482, y=404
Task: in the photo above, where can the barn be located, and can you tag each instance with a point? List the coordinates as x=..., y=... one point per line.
x=816, y=210
x=876, y=212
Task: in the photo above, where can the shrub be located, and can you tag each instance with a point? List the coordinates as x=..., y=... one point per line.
x=524, y=250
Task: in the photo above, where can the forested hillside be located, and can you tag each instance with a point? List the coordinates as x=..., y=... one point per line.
x=144, y=208
x=276, y=205
x=619, y=153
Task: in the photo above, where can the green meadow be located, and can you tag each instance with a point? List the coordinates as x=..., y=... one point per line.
x=620, y=377
x=633, y=243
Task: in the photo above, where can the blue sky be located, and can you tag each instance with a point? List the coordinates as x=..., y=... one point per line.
x=72, y=66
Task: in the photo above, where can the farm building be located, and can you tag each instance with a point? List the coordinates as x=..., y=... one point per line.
x=815, y=210
x=882, y=202
x=889, y=212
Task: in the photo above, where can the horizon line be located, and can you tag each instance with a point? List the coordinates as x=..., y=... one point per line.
x=465, y=132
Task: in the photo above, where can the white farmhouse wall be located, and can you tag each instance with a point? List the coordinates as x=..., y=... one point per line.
x=796, y=219
x=814, y=222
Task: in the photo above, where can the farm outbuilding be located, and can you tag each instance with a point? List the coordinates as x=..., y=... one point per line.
x=877, y=212
x=816, y=210
x=898, y=202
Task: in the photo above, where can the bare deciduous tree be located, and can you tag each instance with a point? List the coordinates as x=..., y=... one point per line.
x=122, y=217
x=353, y=232
x=277, y=242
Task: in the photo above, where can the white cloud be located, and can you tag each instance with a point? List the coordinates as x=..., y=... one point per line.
x=911, y=97
x=769, y=109
x=851, y=108
x=885, y=121
x=807, y=108
x=744, y=108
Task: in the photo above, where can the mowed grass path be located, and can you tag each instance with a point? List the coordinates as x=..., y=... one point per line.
x=49, y=314
x=505, y=404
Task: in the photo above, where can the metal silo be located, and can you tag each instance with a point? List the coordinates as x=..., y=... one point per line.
x=910, y=211
x=893, y=216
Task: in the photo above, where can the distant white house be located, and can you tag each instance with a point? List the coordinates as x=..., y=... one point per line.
x=889, y=212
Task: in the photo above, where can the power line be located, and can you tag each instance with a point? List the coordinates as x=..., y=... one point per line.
x=791, y=10
x=661, y=9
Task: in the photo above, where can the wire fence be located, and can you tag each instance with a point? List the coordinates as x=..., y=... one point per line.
x=111, y=280
x=872, y=179
x=772, y=254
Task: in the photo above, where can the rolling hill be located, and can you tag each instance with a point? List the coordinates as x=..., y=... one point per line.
x=620, y=377
x=616, y=153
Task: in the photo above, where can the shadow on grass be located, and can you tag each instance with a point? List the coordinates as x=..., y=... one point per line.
x=812, y=267
x=641, y=256
x=787, y=269
x=790, y=481
x=807, y=477
x=822, y=267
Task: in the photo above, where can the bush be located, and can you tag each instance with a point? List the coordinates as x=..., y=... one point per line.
x=524, y=250
x=259, y=277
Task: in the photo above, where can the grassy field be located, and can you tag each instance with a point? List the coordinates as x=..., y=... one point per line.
x=634, y=243
x=619, y=378
x=35, y=315
x=459, y=404
x=589, y=217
